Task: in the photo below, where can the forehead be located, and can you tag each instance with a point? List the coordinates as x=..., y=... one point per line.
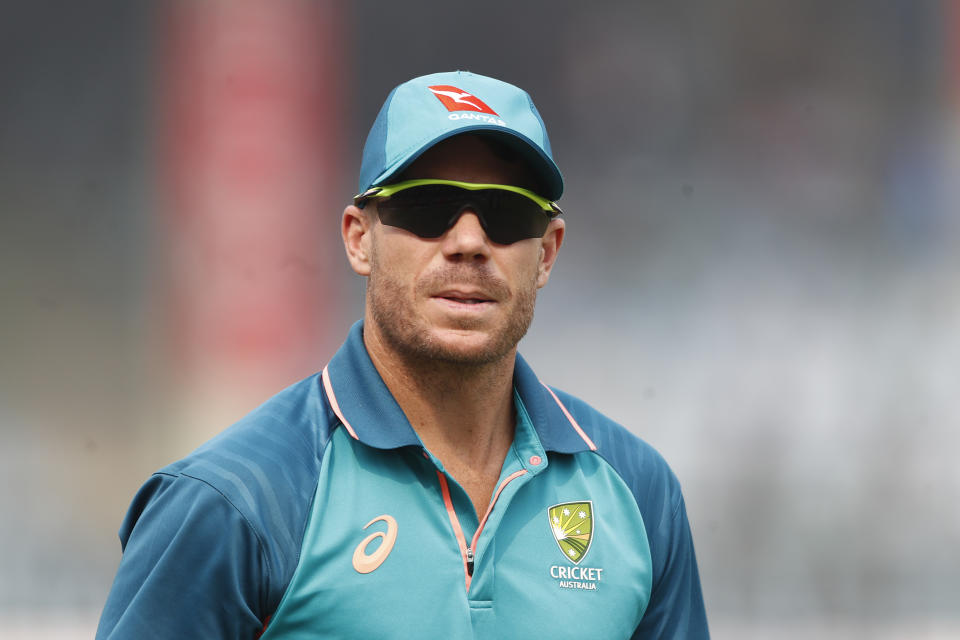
x=470, y=158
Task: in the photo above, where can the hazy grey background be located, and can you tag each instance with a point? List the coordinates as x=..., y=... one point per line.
x=760, y=279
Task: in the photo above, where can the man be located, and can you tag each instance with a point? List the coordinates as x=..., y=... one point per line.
x=426, y=483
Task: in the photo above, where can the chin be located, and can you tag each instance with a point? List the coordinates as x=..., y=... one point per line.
x=465, y=347
x=423, y=335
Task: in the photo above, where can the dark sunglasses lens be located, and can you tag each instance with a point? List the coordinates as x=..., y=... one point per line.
x=429, y=210
x=510, y=217
x=426, y=210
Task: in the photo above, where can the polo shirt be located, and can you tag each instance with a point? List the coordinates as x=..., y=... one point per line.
x=322, y=515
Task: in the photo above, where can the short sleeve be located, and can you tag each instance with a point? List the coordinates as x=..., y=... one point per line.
x=676, y=608
x=192, y=567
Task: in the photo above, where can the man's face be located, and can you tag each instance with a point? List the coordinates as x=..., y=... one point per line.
x=459, y=298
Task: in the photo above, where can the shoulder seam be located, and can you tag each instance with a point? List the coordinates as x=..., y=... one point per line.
x=321, y=451
x=613, y=467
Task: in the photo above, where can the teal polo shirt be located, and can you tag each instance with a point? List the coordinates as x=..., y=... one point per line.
x=322, y=515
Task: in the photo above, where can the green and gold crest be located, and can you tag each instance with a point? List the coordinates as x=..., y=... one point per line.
x=572, y=527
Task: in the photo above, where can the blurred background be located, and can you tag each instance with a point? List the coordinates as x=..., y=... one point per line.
x=760, y=276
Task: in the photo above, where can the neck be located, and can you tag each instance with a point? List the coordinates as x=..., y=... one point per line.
x=463, y=413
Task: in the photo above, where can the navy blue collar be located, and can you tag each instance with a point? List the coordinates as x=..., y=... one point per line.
x=371, y=414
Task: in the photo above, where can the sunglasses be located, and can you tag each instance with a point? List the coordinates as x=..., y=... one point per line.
x=429, y=207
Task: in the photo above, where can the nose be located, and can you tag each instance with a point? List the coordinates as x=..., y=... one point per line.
x=466, y=239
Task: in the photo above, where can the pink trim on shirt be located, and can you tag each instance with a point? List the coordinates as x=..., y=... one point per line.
x=455, y=522
x=328, y=387
x=476, y=536
x=573, y=422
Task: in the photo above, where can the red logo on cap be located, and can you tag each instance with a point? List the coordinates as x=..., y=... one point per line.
x=455, y=99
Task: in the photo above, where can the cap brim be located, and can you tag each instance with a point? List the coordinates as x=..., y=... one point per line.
x=542, y=166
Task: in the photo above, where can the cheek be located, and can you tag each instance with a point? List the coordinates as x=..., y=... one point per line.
x=529, y=267
x=396, y=258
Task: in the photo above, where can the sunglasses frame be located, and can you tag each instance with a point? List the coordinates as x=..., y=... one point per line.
x=359, y=200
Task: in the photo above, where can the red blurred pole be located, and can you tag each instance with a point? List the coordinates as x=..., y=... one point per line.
x=249, y=126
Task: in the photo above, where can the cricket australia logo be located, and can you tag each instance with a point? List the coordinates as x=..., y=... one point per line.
x=572, y=526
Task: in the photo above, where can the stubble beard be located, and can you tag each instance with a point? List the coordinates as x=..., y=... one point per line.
x=391, y=307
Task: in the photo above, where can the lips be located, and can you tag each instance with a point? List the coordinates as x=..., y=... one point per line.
x=464, y=290
x=465, y=296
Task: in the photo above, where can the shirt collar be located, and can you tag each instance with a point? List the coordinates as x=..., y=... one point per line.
x=368, y=410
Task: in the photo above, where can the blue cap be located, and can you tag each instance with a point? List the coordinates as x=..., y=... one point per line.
x=421, y=112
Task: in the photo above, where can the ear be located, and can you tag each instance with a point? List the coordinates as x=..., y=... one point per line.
x=549, y=247
x=356, y=228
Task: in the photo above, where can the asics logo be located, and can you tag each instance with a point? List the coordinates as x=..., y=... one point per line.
x=455, y=99
x=365, y=562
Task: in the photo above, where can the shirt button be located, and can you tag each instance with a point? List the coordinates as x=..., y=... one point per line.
x=535, y=460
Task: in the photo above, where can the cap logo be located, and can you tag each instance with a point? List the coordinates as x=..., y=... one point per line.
x=455, y=99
